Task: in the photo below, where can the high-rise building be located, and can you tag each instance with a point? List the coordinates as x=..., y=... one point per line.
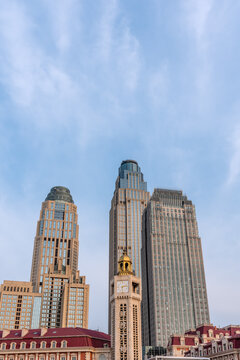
x=125, y=219
x=174, y=287
x=57, y=295
x=125, y=301
x=57, y=235
x=128, y=202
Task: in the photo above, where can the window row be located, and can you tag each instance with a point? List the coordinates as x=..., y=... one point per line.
x=33, y=345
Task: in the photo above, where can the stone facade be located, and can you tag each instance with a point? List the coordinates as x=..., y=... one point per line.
x=125, y=299
x=179, y=345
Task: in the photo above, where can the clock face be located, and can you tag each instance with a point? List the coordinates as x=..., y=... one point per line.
x=122, y=286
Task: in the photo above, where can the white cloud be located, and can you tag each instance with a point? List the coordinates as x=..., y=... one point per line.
x=197, y=13
x=27, y=72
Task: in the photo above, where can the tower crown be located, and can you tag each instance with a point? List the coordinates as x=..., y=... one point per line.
x=60, y=193
x=125, y=265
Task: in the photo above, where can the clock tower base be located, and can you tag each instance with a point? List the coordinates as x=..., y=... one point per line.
x=125, y=301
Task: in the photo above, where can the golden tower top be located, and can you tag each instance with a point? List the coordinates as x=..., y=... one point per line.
x=125, y=265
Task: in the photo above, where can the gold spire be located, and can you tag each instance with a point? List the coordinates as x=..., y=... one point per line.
x=125, y=265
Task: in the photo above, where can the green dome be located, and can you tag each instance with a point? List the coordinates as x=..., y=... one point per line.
x=60, y=193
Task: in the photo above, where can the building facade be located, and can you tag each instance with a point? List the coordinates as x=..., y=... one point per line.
x=174, y=287
x=19, y=305
x=225, y=348
x=56, y=296
x=125, y=297
x=180, y=344
x=54, y=344
x=125, y=218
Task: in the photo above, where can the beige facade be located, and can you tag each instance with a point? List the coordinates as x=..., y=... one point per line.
x=125, y=298
x=56, y=239
x=57, y=295
x=18, y=305
x=76, y=303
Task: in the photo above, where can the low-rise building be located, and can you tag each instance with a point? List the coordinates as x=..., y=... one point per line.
x=179, y=344
x=54, y=344
x=226, y=348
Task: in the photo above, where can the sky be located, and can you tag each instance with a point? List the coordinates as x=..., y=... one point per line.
x=87, y=84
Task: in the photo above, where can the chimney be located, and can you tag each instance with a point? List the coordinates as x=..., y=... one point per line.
x=24, y=332
x=43, y=331
x=5, y=333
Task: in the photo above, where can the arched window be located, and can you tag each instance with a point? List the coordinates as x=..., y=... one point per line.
x=13, y=346
x=53, y=344
x=33, y=345
x=43, y=344
x=3, y=346
x=64, y=344
x=23, y=345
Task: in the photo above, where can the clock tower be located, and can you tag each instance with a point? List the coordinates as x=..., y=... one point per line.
x=125, y=299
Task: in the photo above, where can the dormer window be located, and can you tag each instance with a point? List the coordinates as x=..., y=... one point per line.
x=43, y=344
x=64, y=344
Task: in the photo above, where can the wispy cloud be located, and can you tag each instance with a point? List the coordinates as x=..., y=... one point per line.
x=197, y=15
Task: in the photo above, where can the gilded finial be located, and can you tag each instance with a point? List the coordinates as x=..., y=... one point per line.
x=125, y=265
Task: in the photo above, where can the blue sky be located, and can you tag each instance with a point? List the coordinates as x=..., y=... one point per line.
x=85, y=85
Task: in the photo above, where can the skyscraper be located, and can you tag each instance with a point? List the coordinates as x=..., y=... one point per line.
x=174, y=287
x=57, y=235
x=128, y=202
x=55, y=262
x=57, y=295
x=125, y=221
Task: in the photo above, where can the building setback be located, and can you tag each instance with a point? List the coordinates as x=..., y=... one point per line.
x=173, y=277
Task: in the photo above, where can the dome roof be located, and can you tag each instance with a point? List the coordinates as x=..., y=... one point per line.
x=125, y=257
x=125, y=265
x=60, y=193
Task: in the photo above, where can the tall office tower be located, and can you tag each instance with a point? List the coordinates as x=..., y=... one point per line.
x=125, y=300
x=174, y=287
x=128, y=202
x=57, y=235
x=55, y=261
x=57, y=295
x=125, y=219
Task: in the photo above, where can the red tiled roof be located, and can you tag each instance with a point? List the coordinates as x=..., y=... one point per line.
x=75, y=337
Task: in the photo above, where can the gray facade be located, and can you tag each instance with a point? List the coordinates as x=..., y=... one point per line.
x=173, y=277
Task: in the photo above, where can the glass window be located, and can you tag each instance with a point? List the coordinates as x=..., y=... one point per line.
x=64, y=344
